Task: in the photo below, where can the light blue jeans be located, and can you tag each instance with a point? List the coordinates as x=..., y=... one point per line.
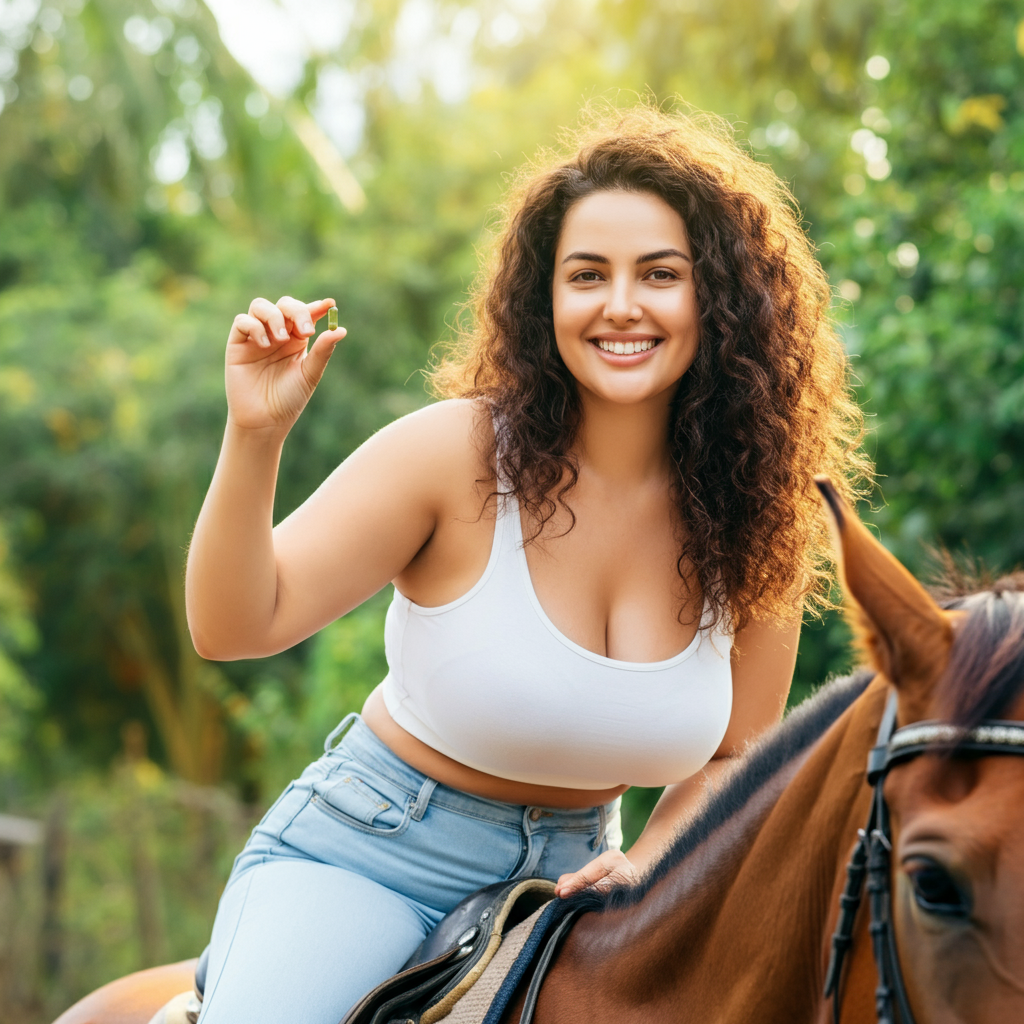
x=354, y=864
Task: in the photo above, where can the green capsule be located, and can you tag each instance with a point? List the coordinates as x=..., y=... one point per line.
x=332, y=318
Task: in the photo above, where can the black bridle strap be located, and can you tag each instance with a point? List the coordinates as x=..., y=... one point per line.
x=890, y=993
x=856, y=869
x=872, y=854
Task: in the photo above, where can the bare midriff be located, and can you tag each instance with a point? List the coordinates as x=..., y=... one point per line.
x=459, y=776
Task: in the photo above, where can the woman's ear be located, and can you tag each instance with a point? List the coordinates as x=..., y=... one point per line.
x=905, y=635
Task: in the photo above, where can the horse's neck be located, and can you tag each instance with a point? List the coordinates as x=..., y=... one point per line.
x=740, y=924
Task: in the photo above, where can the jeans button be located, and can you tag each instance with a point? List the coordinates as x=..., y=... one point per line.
x=535, y=814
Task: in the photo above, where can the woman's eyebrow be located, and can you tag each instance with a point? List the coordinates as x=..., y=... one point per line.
x=661, y=254
x=586, y=257
x=651, y=257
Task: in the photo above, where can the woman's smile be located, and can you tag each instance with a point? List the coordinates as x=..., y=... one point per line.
x=618, y=346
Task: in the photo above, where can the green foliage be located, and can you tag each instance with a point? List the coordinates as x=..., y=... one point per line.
x=938, y=256
x=18, y=698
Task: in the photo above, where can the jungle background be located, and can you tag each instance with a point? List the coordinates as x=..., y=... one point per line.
x=150, y=187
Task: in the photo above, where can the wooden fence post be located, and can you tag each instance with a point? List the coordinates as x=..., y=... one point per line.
x=55, y=854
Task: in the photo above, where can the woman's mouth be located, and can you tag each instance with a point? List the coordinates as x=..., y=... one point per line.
x=625, y=348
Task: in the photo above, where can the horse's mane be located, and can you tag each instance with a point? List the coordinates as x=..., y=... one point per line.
x=761, y=763
x=985, y=674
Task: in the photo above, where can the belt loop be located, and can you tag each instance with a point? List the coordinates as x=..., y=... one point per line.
x=423, y=798
x=339, y=731
x=602, y=827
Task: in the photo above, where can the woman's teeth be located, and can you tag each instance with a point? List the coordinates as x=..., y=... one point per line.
x=625, y=348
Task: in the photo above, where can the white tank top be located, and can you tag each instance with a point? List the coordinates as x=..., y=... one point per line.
x=490, y=681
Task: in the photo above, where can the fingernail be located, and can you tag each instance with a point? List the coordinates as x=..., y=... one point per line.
x=307, y=326
x=282, y=334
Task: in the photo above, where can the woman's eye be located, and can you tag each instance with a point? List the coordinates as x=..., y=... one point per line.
x=662, y=275
x=587, y=276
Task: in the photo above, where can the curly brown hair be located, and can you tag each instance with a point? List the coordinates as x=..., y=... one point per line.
x=766, y=403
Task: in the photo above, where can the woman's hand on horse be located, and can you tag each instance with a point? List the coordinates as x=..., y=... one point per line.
x=269, y=375
x=611, y=868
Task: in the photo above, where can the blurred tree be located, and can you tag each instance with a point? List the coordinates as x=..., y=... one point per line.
x=142, y=206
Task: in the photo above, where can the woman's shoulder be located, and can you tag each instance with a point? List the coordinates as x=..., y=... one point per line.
x=453, y=436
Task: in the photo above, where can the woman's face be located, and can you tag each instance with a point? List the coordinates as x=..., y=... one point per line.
x=625, y=313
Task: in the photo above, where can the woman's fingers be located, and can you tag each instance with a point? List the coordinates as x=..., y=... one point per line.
x=281, y=321
x=246, y=328
x=612, y=867
x=271, y=317
x=297, y=314
x=283, y=329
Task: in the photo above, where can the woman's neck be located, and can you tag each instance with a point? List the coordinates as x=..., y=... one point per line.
x=625, y=444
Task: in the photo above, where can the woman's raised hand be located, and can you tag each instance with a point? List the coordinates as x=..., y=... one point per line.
x=269, y=375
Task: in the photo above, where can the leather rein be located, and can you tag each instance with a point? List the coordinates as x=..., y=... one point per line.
x=871, y=857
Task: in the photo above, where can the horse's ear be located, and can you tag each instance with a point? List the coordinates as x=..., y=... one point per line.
x=904, y=633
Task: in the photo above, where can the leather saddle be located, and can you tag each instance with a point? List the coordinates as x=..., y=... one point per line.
x=451, y=960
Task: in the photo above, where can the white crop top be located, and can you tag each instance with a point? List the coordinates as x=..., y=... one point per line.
x=488, y=680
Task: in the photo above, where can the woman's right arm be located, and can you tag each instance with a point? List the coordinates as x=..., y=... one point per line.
x=253, y=590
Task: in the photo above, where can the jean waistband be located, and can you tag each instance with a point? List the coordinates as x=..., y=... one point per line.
x=354, y=736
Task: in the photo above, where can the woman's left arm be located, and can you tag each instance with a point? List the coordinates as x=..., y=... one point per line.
x=763, y=658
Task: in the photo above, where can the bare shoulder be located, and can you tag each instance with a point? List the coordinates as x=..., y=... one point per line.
x=446, y=441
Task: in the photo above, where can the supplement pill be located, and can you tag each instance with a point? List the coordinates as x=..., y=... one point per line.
x=332, y=318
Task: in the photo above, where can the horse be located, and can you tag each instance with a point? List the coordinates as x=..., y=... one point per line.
x=751, y=911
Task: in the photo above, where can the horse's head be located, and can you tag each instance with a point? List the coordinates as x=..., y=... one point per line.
x=958, y=821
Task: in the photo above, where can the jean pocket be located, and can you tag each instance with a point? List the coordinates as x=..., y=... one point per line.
x=363, y=801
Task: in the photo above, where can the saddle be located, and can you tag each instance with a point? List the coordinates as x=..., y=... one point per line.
x=464, y=972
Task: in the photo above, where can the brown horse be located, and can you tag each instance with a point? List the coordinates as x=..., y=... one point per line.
x=734, y=923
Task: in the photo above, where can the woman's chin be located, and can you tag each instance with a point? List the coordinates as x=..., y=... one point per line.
x=627, y=392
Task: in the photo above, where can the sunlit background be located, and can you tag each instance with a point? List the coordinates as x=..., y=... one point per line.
x=162, y=162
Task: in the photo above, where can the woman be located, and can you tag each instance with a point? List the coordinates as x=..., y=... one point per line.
x=601, y=544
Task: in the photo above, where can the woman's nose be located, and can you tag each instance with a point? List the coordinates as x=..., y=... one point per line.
x=622, y=306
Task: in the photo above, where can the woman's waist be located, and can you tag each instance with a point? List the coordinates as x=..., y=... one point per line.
x=460, y=777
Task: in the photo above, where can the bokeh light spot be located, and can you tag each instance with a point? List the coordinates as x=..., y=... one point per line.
x=877, y=67
x=854, y=184
x=80, y=88
x=785, y=100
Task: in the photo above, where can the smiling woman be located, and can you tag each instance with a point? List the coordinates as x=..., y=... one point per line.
x=601, y=545
x=763, y=401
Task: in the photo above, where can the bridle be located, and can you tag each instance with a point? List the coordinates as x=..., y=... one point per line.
x=872, y=854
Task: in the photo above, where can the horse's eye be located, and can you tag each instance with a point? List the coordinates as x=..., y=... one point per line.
x=936, y=891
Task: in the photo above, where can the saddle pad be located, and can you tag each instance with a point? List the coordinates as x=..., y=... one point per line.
x=530, y=945
x=471, y=1005
x=496, y=940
